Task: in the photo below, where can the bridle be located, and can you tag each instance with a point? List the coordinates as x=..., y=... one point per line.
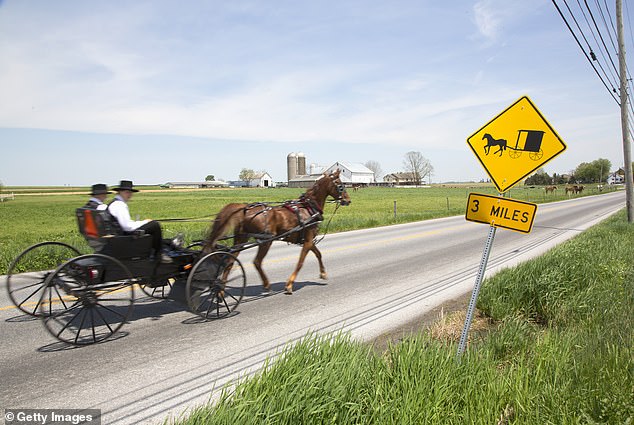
x=341, y=189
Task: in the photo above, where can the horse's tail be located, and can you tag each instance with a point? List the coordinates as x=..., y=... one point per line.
x=230, y=217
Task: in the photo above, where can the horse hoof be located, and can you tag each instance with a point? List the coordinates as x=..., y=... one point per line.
x=324, y=276
x=289, y=291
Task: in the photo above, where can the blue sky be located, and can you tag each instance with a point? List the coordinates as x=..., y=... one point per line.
x=157, y=91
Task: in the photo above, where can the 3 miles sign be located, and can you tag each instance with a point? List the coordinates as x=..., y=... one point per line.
x=501, y=212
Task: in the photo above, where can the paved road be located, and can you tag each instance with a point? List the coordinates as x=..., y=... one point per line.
x=163, y=362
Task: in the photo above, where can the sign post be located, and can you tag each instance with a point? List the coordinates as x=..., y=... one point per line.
x=511, y=146
x=476, y=290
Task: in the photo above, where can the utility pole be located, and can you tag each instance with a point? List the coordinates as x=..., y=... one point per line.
x=627, y=150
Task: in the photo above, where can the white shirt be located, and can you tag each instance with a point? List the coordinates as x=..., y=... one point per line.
x=101, y=206
x=119, y=209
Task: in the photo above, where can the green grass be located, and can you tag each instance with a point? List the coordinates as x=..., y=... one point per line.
x=559, y=351
x=31, y=218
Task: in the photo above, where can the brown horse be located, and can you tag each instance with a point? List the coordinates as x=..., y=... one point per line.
x=550, y=189
x=265, y=222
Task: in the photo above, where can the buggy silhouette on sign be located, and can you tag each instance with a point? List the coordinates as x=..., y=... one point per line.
x=528, y=141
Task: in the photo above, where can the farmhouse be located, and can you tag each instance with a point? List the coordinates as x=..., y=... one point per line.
x=400, y=178
x=618, y=177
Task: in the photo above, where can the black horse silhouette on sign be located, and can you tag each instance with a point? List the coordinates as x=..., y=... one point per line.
x=501, y=143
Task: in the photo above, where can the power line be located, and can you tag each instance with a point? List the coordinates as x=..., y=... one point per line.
x=583, y=50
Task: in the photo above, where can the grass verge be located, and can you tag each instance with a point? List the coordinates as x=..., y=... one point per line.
x=558, y=350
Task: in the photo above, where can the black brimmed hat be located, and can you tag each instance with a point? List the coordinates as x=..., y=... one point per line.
x=99, y=189
x=125, y=185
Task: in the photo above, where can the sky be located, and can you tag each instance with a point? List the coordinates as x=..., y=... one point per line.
x=157, y=91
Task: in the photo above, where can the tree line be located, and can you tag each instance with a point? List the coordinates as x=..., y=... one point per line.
x=596, y=171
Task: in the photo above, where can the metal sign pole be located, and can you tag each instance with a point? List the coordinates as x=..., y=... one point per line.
x=476, y=290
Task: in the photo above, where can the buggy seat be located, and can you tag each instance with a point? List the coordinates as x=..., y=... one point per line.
x=105, y=237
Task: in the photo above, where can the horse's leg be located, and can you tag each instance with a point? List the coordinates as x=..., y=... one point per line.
x=302, y=256
x=322, y=270
x=263, y=249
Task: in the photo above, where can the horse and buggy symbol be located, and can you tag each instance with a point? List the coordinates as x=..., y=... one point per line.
x=85, y=299
x=527, y=141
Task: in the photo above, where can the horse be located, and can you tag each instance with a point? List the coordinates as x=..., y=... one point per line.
x=266, y=222
x=578, y=189
x=550, y=189
x=501, y=143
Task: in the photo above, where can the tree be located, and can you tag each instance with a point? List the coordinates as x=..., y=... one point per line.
x=415, y=163
x=210, y=178
x=376, y=169
x=247, y=175
x=540, y=178
x=595, y=171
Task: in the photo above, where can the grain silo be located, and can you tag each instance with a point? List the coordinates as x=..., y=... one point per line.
x=301, y=164
x=291, y=165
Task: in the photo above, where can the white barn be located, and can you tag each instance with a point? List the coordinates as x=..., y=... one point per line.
x=353, y=173
x=261, y=180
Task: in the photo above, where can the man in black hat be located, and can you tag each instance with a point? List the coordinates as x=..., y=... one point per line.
x=118, y=208
x=98, y=194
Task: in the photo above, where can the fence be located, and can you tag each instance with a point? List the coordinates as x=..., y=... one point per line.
x=7, y=197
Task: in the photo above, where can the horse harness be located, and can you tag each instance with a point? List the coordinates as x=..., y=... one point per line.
x=294, y=206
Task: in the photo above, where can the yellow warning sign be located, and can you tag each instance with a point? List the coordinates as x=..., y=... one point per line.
x=501, y=212
x=515, y=143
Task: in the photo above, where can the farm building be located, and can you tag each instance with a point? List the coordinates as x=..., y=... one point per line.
x=351, y=174
x=618, y=177
x=400, y=178
x=195, y=185
x=258, y=180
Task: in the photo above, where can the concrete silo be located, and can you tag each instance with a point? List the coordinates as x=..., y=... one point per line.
x=301, y=164
x=291, y=165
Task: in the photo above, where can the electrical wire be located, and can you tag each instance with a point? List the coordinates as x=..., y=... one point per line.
x=584, y=52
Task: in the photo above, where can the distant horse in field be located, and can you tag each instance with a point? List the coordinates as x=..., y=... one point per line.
x=501, y=143
x=574, y=189
x=550, y=189
x=298, y=219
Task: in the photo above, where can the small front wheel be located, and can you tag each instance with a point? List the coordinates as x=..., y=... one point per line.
x=514, y=154
x=215, y=285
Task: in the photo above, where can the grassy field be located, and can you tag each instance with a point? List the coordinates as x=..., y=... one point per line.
x=556, y=348
x=38, y=215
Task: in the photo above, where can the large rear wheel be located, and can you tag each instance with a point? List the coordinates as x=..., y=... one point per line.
x=101, y=293
x=215, y=285
x=28, y=272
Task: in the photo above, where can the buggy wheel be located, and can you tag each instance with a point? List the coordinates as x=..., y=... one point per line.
x=536, y=156
x=514, y=154
x=28, y=272
x=215, y=285
x=102, y=295
x=159, y=289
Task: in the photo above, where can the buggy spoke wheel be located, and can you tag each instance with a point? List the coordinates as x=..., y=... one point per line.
x=215, y=285
x=514, y=154
x=102, y=291
x=536, y=156
x=28, y=272
x=159, y=290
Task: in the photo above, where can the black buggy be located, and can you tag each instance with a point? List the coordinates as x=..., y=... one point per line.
x=84, y=299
